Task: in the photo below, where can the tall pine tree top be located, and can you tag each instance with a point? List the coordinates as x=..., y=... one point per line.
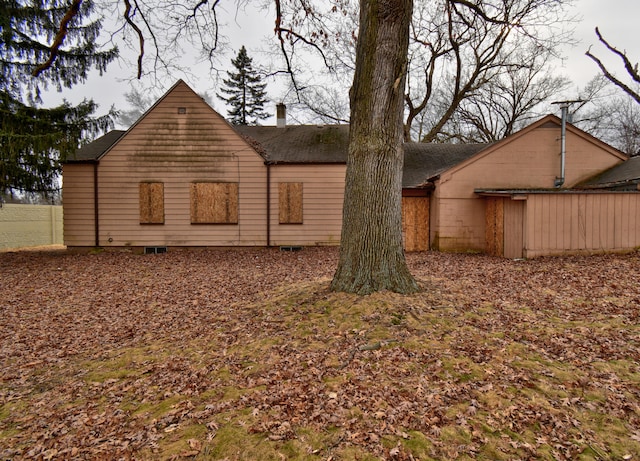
x=245, y=92
x=48, y=42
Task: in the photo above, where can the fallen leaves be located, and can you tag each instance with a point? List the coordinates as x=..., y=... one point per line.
x=221, y=354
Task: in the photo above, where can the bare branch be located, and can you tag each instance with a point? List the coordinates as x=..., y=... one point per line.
x=633, y=71
x=73, y=10
x=477, y=10
x=278, y=31
x=612, y=78
x=308, y=42
x=134, y=26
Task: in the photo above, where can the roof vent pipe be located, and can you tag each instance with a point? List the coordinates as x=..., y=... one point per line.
x=281, y=115
x=563, y=145
x=564, y=107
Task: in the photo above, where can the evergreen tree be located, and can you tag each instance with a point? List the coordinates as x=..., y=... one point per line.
x=245, y=91
x=42, y=43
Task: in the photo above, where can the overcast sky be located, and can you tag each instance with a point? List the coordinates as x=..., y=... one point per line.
x=617, y=20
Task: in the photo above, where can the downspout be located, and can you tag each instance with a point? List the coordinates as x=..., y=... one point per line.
x=96, y=214
x=268, y=203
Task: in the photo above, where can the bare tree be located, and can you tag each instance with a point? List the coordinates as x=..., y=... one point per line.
x=459, y=47
x=632, y=69
x=139, y=102
x=508, y=101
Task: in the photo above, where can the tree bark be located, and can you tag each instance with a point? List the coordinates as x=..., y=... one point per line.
x=371, y=252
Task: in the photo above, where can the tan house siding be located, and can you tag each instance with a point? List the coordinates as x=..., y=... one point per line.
x=323, y=194
x=527, y=160
x=78, y=199
x=178, y=150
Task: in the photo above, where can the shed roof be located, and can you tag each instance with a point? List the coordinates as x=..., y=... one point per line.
x=627, y=172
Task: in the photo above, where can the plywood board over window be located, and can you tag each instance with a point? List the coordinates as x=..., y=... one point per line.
x=151, y=196
x=214, y=203
x=290, y=202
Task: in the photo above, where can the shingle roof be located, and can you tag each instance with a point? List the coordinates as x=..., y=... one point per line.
x=623, y=173
x=95, y=149
x=330, y=144
x=425, y=161
x=301, y=143
x=311, y=144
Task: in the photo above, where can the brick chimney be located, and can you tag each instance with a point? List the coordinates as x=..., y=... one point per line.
x=281, y=115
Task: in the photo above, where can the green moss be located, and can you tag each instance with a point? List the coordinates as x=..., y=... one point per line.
x=418, y=445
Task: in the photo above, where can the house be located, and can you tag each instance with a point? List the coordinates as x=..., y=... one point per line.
x=183, y=176
x=180, y=176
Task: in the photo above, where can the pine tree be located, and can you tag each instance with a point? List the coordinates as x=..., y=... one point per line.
x=42, y=43
x=245, y=91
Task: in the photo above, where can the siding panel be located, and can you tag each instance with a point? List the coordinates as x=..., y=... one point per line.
x=593, y=222
x=78, y=199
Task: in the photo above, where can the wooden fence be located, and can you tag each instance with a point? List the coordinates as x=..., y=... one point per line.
x=539, y=224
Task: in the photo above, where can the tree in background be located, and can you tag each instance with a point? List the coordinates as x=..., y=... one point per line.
x=139, y=102
x=51, y=44
x=460, y=49
x=245, y=91
x=509, y=101
x=457, y=49
x=609, y=115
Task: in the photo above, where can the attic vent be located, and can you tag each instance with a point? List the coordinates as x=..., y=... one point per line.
x=154, y=250
x=182, y=110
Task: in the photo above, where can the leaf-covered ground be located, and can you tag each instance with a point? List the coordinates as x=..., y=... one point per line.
x=245, y=355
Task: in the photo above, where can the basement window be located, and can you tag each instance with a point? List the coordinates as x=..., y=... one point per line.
x=154, y=250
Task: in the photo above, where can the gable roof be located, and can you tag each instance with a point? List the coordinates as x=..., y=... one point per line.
x=94, y=150
x=99, y=147
x=625, y=173
x=545, y=122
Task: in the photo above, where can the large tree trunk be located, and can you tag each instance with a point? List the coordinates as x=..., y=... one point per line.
x=371, y=253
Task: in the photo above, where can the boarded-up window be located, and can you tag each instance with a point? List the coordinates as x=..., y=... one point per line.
x=214, y=203
x=290, y=197
x=151, y=203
